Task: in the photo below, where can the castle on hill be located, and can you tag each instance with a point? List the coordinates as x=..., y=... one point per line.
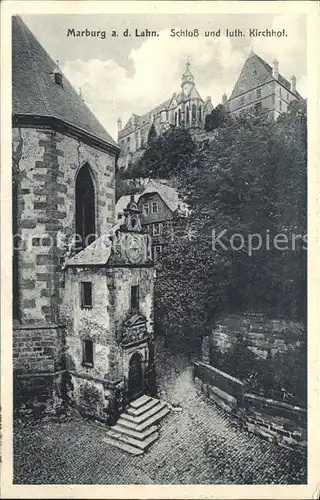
x=259, y=87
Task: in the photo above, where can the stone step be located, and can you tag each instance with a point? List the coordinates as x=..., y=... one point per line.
x=135, y=443
x=144, y=416
x=133, y=433
x=123, y=446
x=136, y=412
x=146, y=424
x=153, y=420
x=140, y=401
x=126, y=423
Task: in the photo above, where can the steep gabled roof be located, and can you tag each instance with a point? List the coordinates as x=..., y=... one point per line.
x=146, y=118
x=256, y=72
x=169, y=195
x=35, y=93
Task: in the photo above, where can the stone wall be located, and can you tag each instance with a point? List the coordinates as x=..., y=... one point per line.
x=261, y=333
x=45, y=169
x=278, y=422
x=45, y=166
x=226, y=391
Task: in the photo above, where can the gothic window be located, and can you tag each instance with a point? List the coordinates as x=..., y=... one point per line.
x=87, y=354
x=175, y=118
x=194, y=112
x=86, y=295
x=85, y=209
x=187, y=115
x=200, y=114
x=179, y=114
x=135, y=298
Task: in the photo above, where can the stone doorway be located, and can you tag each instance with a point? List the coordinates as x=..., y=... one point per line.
x=135, y=385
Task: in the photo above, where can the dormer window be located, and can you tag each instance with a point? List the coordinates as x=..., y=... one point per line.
x=58, y=78
x=57, y=75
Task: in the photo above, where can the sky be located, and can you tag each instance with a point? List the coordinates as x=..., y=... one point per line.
x=124, y=75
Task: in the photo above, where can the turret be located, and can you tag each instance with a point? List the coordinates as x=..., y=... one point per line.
x=187, y=79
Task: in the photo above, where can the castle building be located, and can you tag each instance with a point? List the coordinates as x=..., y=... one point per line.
x=260, y=87
x=63, y=202
x=184, y=109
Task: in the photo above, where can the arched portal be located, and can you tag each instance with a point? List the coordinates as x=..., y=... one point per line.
x=135, y=382
x=85, y=208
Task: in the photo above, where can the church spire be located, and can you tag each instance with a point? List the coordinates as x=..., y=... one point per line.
x=187, y=79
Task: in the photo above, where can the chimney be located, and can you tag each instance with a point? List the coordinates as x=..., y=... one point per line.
x=224, y=98
x=119, y=124
x=293, y=86
x=275, y=69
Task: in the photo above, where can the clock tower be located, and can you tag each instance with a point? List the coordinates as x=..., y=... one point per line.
x=109, y=318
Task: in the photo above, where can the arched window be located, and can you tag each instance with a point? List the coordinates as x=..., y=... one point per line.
x=85, y=208
x=200, y=114
x=175, y=118
x=194, y=112
x=187, y=115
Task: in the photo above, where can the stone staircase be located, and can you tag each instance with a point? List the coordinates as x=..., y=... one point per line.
x=137, y=427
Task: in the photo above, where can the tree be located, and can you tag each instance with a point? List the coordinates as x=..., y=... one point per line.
x=166, y=155
x=152, y=134
x=251, y=180
x=216, y=118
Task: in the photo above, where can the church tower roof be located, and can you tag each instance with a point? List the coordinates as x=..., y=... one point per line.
x=187, y=76
x=42, y=94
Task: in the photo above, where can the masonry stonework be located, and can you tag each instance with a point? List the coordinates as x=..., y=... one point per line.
x=46, y=164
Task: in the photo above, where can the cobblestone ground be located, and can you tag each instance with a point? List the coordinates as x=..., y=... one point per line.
x=197, y=445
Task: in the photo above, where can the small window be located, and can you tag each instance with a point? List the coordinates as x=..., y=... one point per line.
x=280, y=104
x=242, y=101
x=88, y=353
x=156, y=228
x=155, y=207
x=287, y=96
x=86, y=295
x=135, y=298
x=157, y=251
x=146, y=208
x=258, y=93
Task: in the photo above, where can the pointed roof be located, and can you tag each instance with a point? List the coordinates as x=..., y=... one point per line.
x=36, y=94
x=187, y=71
x=256, y=72
x=169, y=195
